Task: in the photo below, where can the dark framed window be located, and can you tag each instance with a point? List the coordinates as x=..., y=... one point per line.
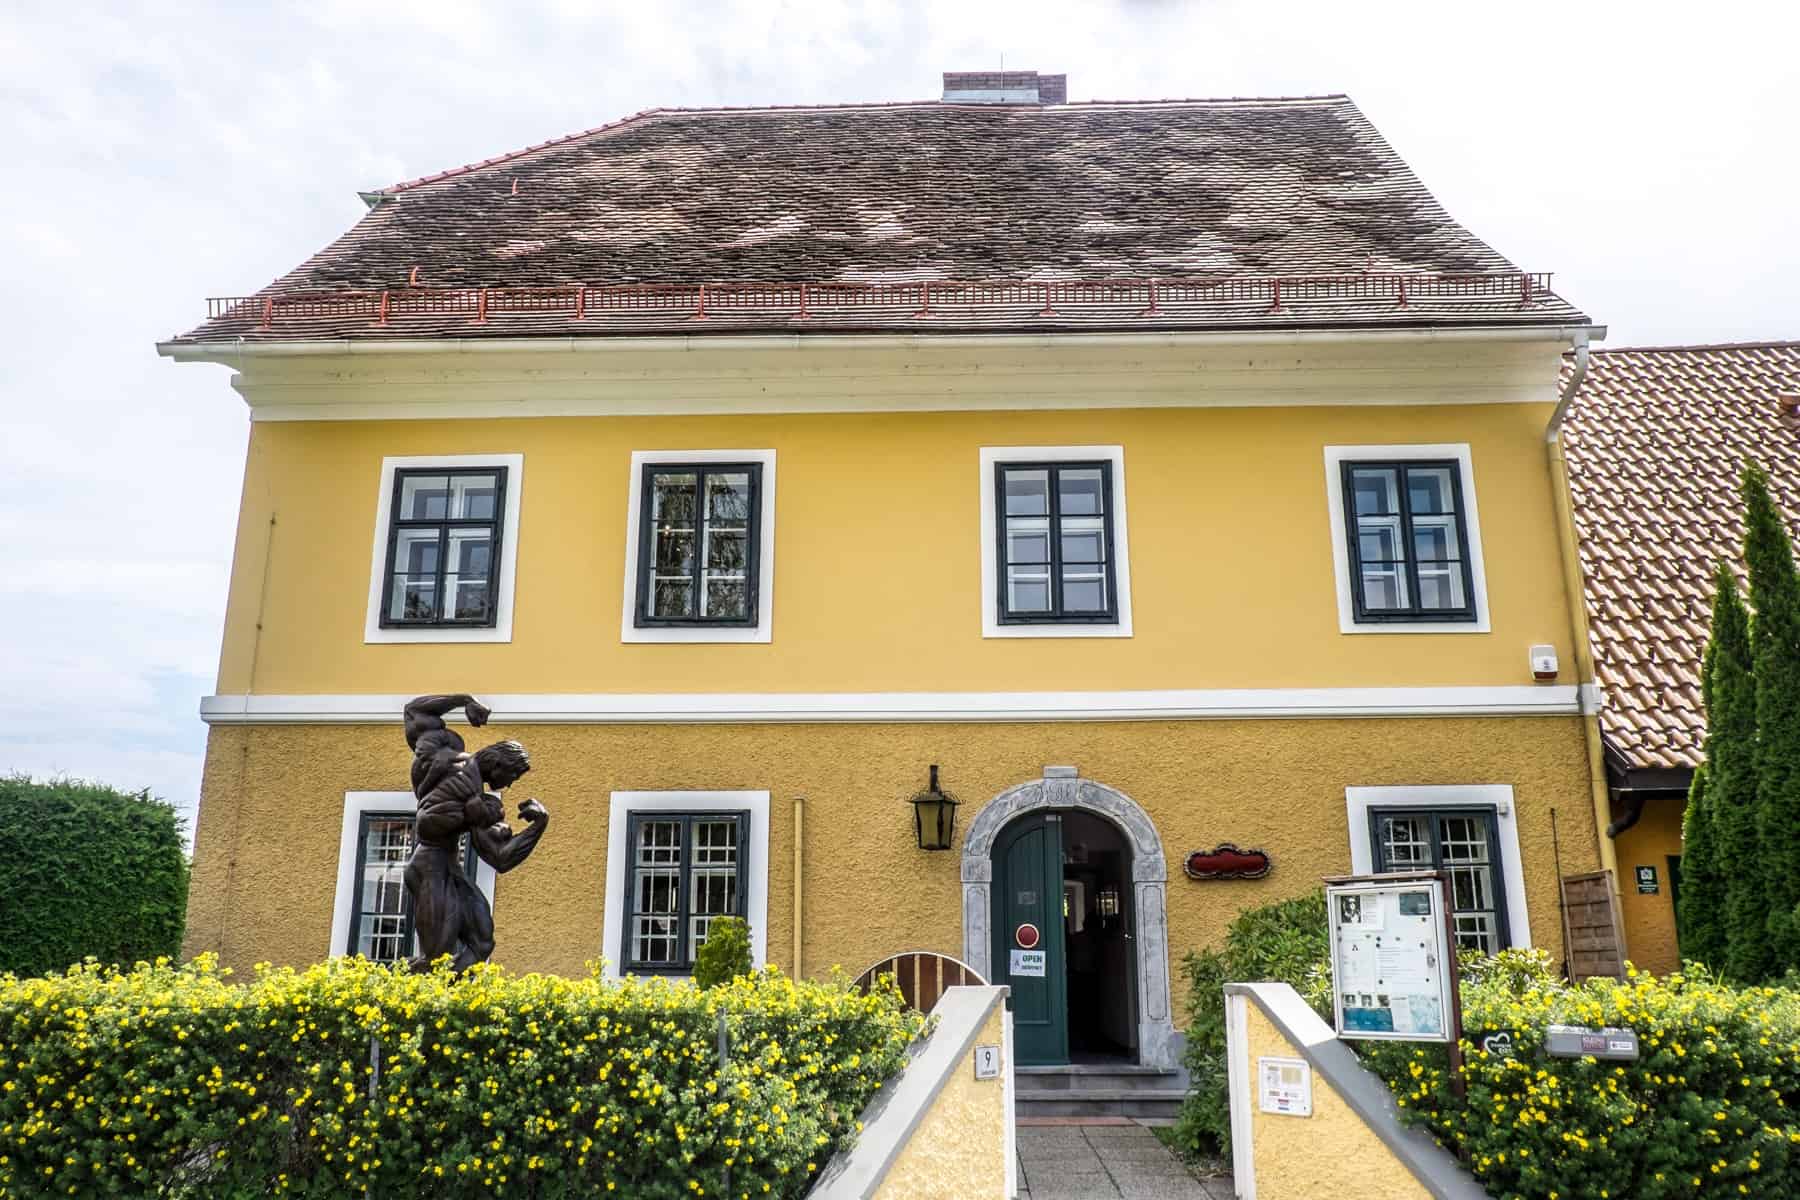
x=381, y=927
x=699, y=544
x=1463, y=841
x=1056, y=543
x=683, y=871
x=443, y=560
x=1409, y=542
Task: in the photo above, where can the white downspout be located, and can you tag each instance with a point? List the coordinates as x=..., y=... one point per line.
x=1554, y=430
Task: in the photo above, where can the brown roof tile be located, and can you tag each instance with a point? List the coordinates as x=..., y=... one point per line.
x=1655, y=441
x=902, y=194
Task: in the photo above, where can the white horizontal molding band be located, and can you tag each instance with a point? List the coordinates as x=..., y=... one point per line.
x=840, y=707
x=422, y=403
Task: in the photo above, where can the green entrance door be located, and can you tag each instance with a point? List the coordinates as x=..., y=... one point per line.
x=1028, y=936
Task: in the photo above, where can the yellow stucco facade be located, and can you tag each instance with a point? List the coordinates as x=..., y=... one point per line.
x=1332, y=1152
x=267, y=848
x=877, y=583
x=878, y=596
x=1649, y=917
x=959, y=1146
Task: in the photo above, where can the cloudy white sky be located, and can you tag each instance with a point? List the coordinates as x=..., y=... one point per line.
x=156, y=154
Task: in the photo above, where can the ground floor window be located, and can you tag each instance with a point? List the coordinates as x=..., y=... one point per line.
x=380, y=924
x=677, y=861
x=1461, y=841
x=685, y=871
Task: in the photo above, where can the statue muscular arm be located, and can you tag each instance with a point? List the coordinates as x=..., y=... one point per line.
x=426, y=714
x=501, y=848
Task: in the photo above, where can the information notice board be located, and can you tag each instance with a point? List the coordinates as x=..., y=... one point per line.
x=1392, y=969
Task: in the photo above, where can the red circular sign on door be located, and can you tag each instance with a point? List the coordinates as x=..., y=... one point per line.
x=1026, y=935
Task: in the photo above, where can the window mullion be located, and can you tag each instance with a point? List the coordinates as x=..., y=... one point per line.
x=1415, y=603
x=740, y=905
x=1109, y=573
x=1497, y=883
x=493, y=529
x=628, y=952
x=697, y=572
x=684, y=952
x=1464, y=563
x=1353, y=535
x=1054, y=496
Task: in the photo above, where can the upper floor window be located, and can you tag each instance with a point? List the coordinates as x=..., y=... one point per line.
x=443, y=548
x=1408, y=543
x=1407, y=556
x=446, y=548
x=1053, y=527
x=700, y=546
x=698, y=550
x=1056, y=548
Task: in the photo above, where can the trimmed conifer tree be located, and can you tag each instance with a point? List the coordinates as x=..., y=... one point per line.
x=1700, y=917
x=1775, y=658
x=1731, y=785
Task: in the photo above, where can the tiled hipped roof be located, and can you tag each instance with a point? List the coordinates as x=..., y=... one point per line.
x=1656, y=441
x=615, y=229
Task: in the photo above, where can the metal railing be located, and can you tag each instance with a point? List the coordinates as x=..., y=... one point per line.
x=909, y=300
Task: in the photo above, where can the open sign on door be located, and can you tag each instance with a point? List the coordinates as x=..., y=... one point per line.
x=1027, y=963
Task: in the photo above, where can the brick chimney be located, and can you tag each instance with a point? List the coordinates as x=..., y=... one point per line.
x=1004, y=87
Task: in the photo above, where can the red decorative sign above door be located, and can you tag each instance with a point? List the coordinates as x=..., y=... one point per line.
x=1026, y=936
x=1226, y=861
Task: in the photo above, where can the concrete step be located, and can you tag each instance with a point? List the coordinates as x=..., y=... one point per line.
x=1136, y=1105
x=1099, y=1090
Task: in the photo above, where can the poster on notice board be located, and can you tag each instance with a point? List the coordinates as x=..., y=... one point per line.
x=1391, y=967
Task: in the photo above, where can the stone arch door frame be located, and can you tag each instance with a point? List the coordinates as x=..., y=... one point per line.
x=1063, y=788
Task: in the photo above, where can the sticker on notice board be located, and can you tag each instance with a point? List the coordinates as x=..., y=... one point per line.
x=1027, y=963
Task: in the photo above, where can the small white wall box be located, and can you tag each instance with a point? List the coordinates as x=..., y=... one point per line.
x=987, y=1062
x=1284, y=1086
x=1543, y=663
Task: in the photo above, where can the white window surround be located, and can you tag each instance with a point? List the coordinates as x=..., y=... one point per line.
x=1335, y=457
x=991, y=457
x=355, y=805
x=755, y=883
x=763, y=630
x=1498, y=796
x=509, y=550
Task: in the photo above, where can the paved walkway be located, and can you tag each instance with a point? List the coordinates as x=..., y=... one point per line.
x=1107, y=1162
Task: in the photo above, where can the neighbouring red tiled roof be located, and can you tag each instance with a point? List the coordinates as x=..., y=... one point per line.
x=614, y=229
x=1656, y=440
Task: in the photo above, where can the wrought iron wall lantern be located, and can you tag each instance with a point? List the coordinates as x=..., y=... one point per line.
x=934, y=816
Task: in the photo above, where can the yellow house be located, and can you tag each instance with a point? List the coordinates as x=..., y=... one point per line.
x=1166, y=476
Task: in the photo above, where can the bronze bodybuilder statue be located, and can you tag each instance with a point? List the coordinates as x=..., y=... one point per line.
x=450, y=915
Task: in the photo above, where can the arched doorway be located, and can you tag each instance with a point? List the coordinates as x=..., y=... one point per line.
x=1023, y=814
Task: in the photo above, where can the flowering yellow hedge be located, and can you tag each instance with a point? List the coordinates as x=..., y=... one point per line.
x=178, y=1080
x=1711, y=1109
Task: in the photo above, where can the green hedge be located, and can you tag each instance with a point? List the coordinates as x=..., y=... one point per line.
x=178, y=1081
x=1709, y=1110
x=87, y=872
x=1285, y=941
